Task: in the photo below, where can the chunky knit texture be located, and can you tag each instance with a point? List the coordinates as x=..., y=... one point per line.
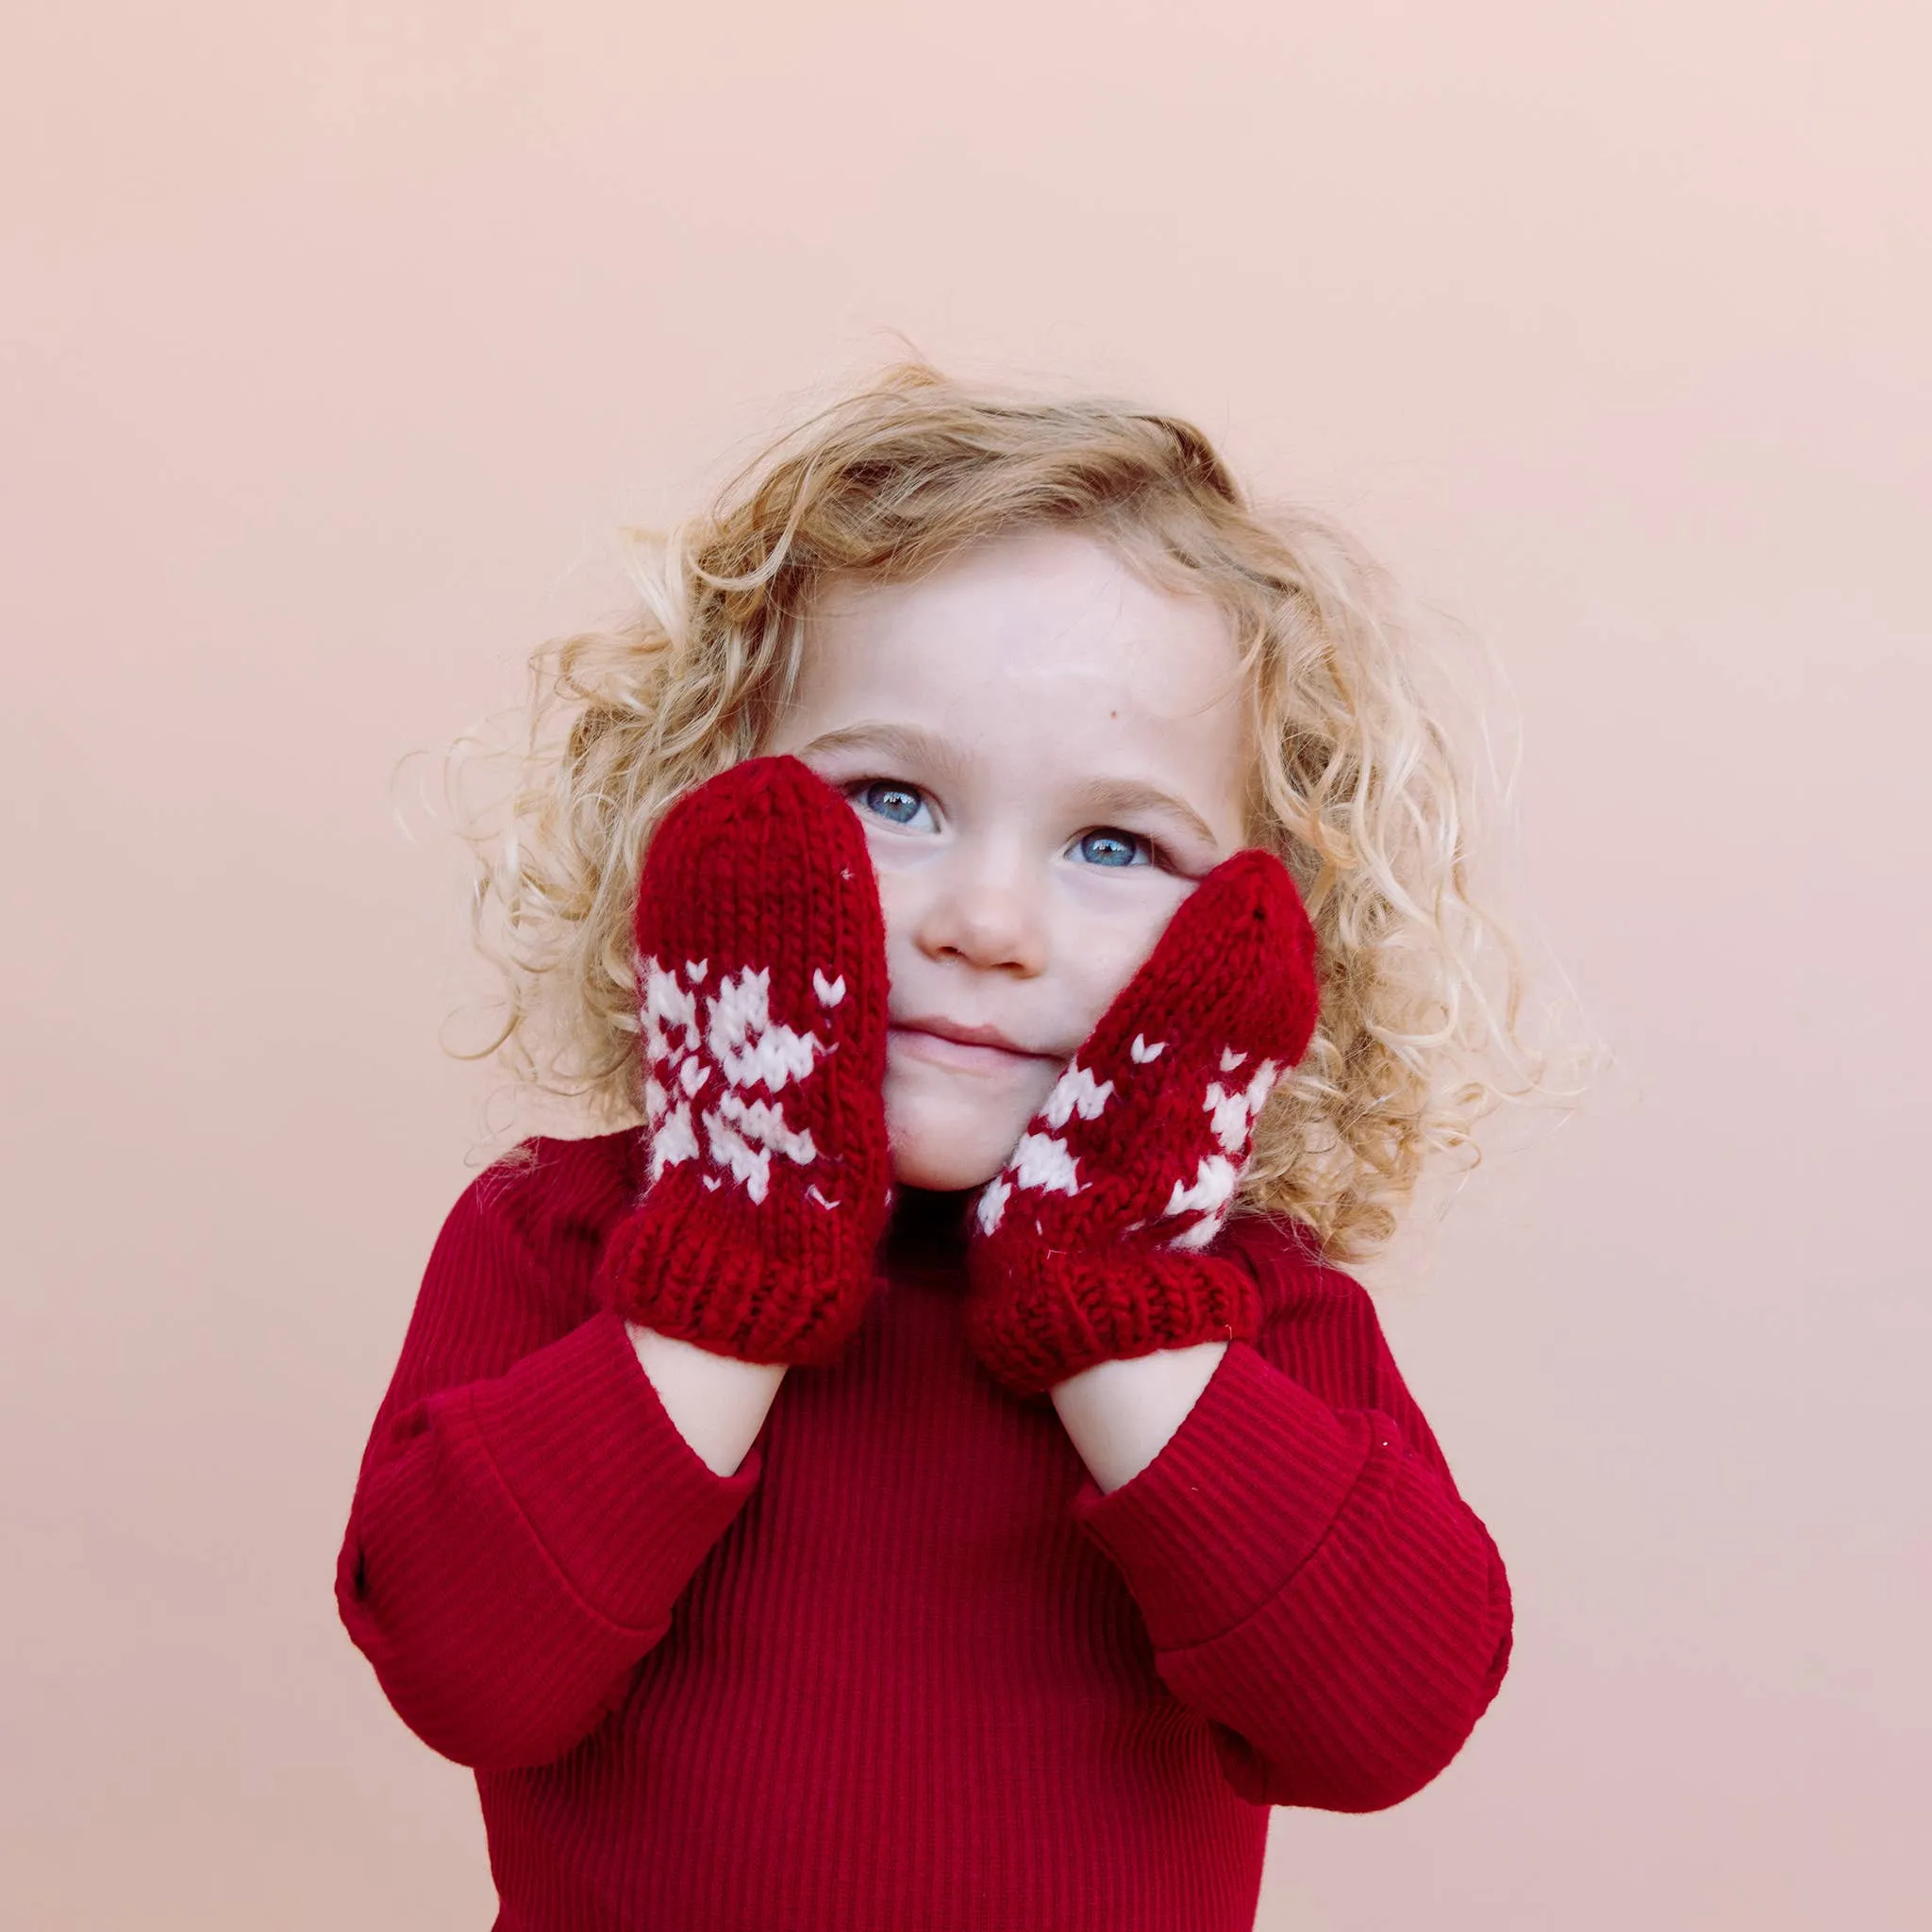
x=907, y=1667
x=761, y=971
x=1087, y=1245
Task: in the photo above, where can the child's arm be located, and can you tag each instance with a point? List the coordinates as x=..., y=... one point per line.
x=529, y=1510
x=1311, y=1580
x=718, y=1403
x=528, y=1514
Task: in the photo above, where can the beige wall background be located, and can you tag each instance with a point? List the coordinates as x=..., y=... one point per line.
x=338, y=342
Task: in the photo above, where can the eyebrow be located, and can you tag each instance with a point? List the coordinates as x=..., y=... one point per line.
x=1101, y=796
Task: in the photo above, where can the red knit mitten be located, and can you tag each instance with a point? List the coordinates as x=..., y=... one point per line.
x=1087, y=1247
x=761, y=978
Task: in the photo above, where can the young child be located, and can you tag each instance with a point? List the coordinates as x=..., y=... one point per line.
x=1009, y=894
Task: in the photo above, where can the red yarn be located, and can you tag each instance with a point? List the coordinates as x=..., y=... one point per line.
x=1087, y=1243
x=762, y=989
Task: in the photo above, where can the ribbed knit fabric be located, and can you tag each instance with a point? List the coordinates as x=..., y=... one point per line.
x=1087, y=1245
x=908, y=1668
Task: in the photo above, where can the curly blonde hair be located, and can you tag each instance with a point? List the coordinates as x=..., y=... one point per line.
x=1355, y=787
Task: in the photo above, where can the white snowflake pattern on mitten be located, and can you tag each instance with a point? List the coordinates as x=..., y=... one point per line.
x=1044, y=1163
x=1232, y=1112
x=737, y=1041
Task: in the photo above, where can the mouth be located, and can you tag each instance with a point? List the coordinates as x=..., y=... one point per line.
x=969, y=1049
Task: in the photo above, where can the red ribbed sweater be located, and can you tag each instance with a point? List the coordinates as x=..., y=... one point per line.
x=907, y=1669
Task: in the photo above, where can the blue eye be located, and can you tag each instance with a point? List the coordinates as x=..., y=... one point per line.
x=898, y=804
x=1115, y=848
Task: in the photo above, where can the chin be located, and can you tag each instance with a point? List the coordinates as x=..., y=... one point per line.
x=939, y=1168
x=948, y=1148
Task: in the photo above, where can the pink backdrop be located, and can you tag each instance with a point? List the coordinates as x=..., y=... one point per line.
x=338, y=341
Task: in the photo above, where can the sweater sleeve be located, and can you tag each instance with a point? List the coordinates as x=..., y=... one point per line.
x=1310, y=1580
x=527, y=1514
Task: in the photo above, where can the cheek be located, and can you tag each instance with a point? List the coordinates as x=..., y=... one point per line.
x=905, y=889
x=1110, y=936
x=896, y=903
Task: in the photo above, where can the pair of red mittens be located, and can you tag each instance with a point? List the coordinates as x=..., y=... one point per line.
x=764, y=1015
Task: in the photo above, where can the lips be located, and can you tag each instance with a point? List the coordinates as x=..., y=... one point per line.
x=966, y=1035
x=947, y=1043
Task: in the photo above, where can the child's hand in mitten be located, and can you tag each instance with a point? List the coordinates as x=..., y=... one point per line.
x=761, y=966
x=1087, y=1247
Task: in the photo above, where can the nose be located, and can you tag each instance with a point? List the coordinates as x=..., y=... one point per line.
x=979, y=912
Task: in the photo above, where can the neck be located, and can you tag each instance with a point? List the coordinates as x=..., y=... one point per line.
x=928, y=1226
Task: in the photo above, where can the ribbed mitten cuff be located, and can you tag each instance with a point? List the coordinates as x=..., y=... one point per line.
x=1036, y=1324
x=677, y=1265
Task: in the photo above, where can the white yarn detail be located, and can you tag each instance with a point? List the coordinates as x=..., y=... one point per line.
x=1142, y=1053
x=992, y=1203
x=738, y=1040
x=751, y=1167
x=1230, y=1060
x=830, y=991
x=1076, y=1091
x=1041, y=1162
x=668, y=1008
x=1197, y=1233
x=764, y=1121
x=1236, y=1111
x=1230, y=1111
x=673, y=1141
x=745, y=1041
x=1211, y=1187
x=1208, y=1197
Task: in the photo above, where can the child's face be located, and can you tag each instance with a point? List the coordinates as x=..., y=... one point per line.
x=1047, y=754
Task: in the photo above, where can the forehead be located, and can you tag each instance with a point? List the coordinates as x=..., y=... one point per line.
x=1043, y=616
